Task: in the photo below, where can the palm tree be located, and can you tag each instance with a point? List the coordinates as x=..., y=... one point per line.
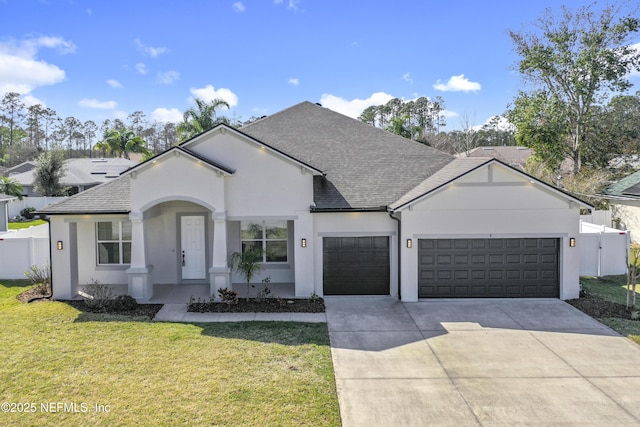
x=10, y=187
x=201, y=119
x=121, y=143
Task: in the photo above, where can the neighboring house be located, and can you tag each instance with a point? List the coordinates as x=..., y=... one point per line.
x=512, y=155
x=22, y=167
x=340, y=207
x=624, y=198
x=4, y=211
x=79, y=174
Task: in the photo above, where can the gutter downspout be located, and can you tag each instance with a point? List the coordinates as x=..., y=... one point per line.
x=399, y=253
x=48, y=220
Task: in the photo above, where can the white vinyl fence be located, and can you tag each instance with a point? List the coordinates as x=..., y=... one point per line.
x=602, y=217
x=603, y=250
x=20, y=249
x=16, y=206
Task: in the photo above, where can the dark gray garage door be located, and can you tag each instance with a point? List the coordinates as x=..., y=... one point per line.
x=488, y=268
x=356, y=265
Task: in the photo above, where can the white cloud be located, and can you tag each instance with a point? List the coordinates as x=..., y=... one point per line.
x=238, y=7
x=114, y=83
x=165, y=115
x=407, y=78
x=118, y=114
x=153, y=52
x=209, y=93
x=20, y=69
x=168, y=78
x=457, y=84
x=290, y=4
x=450, y=114
x=294, y=82
x=30, y=100
x=142, y=68
x=94, y=103
x=354, y=107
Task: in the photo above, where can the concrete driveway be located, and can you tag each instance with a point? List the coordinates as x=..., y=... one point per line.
x=493, y=362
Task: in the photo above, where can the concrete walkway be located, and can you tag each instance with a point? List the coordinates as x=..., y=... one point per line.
x=469, y=363
x=178, y=313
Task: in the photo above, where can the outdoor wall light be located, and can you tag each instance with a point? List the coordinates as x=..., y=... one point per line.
x=59, y=245
x=409, y=243
x=572, y=242
x=303, y=243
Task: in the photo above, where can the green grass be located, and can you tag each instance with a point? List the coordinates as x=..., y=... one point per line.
x=161, y=374
x=613, y=288
x=20, y=225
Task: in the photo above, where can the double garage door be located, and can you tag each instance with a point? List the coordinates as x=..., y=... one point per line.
x=447, y=268
x=488, y=268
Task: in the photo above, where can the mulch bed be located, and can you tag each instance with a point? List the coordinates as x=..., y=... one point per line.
x=149, y=310
x=270, y=305
x=599, y=308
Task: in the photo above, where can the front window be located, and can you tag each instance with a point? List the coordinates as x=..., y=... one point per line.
x=114, y=242
x=267, y=237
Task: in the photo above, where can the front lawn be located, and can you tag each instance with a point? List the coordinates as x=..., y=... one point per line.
x=97, y=369
x=613, y=289
x=25, y=224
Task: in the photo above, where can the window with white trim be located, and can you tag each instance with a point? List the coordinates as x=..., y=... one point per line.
x=269, y=237
x=113, y=242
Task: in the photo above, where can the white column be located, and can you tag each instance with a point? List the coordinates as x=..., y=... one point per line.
x=304, y=257
x=140, y=284
x=219, y=275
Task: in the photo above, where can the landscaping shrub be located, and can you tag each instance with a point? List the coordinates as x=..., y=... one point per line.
x=97, y=296
x=39, y=277
x=27, y=213
x=124, y=303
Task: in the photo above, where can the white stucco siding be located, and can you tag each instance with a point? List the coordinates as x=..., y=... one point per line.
x=61, y=260
x=354, y=224
x=512, y=207
x=177, y=177
x=263, y=181
x=88, y=268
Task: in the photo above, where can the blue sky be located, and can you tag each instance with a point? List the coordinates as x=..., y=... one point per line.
x=99, y=59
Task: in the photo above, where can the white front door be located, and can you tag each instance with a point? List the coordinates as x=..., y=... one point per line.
x=193, y=253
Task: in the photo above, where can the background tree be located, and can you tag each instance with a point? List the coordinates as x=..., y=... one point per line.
x=201, y=118
x=121, y=143
x=10, y=187
x=49, y=172
x=12, y=108
x=574, y=61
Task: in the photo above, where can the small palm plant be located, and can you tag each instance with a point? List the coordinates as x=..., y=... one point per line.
x=247, y=263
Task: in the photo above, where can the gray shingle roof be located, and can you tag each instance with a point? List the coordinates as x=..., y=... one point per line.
x=448, y=173
x=626, y=187
x=111, y=197
x=83, y=171
x=365, y=167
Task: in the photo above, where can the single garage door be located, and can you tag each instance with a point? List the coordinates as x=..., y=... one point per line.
x=356, y=265
x=488, y=268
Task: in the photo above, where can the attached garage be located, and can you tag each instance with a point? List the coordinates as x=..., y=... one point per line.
x=356, y=265
x=488, y=268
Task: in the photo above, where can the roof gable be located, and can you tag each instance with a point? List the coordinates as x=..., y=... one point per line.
x=177, y=151
x=459, y=169
x=221, y=129
x=365, y=167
